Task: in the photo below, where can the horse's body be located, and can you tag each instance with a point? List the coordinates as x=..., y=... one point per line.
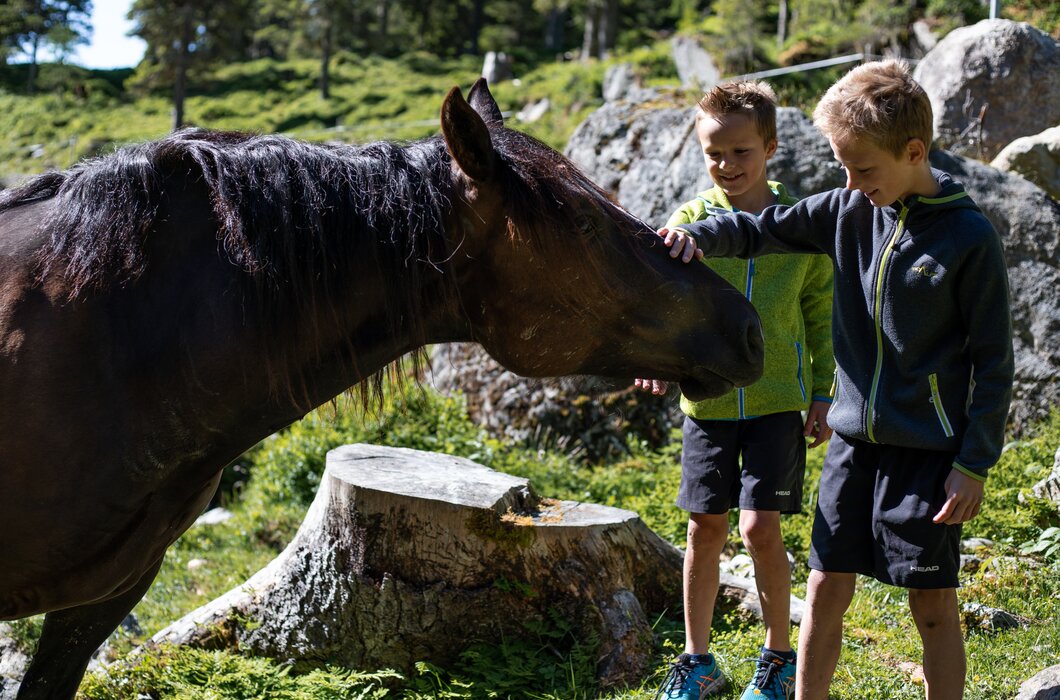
x=166, y=307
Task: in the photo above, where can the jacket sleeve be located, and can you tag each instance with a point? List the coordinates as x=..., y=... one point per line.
x=684, y=215
x=805, y=227
x=983, y=295
x=817, y=315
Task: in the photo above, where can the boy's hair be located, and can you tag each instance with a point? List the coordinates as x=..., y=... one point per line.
x=751, y=97
x=878, y=101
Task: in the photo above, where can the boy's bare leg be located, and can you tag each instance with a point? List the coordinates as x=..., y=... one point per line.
x=706, y=538
x=760, y=530
x=938, y=620
x=828, y=595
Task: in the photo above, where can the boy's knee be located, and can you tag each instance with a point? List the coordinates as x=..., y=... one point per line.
x=760, y=530
x=933, y=607
x=707, y=531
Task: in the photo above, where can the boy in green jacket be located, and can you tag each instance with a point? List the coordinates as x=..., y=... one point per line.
x=761, y=424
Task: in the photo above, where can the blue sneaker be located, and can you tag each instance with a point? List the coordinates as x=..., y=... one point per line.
x=692, y=678
x=774, y=679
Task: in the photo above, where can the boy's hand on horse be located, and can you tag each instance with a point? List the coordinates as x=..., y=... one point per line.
x=964, y=497
x=655, y=386
x=681, y=244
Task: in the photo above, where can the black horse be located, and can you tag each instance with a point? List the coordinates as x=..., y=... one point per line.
x=165, y=307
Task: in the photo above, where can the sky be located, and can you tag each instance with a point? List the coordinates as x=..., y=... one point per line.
x=108, y=46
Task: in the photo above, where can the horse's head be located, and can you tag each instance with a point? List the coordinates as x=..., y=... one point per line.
x=556, y=279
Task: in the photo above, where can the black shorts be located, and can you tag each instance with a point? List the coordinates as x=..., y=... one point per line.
x=874, y=509
x=774, y=464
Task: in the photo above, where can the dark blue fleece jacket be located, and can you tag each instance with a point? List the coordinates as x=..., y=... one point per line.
x=921, y=327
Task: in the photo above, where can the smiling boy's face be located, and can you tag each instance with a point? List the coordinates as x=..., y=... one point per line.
x=735, y=154
x=880, y=175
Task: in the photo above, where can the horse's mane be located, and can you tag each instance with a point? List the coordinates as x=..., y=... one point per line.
x=284, y=207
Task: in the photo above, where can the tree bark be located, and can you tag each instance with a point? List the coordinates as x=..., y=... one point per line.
x=409, y=556
x=325, y=59
x=181, y=68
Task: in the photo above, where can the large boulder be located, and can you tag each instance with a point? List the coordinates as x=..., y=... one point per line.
x=648, y=157
x=695, y=67
x=990, y=84
x=1036, y=158
x=587, y=418
x=1029, y=223
x=1044, y=685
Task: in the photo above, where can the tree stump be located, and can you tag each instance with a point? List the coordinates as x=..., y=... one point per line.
x=409, y=556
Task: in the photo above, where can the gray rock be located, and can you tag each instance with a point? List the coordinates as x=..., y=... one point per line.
x=1035, y=158
x=1044, y=685
x=695, y=67
x=648, y=155
x=533, y=111
x=1006, y=72
x=1049, y=487
x=619, y=81
x=1029, y=223
x=214, y=516
x=496, y=66
x=979, y=616
x=583, y=417
x=13, y=664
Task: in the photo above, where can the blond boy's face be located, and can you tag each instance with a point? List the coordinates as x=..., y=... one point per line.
x=734, y=152
x=880, y=175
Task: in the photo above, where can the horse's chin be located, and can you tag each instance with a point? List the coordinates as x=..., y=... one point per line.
x=705, y=388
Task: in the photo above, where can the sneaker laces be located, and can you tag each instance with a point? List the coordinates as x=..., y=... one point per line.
x=767, y=671
x=680, y=670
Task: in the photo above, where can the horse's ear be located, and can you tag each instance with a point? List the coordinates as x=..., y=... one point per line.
x=481, y=99
x=467, y=137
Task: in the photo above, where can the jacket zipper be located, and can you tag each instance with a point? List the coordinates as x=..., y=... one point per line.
x=877, y=313
x=798, y=372
x=940, y=410
x=748, y=288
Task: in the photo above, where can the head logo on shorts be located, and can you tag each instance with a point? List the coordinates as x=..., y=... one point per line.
x=923, y=569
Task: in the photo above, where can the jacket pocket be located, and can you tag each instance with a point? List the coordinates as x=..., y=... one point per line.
x=798, y=370
x=940, y=410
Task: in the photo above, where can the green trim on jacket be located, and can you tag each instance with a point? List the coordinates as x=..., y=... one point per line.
x=793, y=297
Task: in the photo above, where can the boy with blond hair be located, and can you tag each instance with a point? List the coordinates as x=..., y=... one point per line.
x=923, y=342
x=762, y=425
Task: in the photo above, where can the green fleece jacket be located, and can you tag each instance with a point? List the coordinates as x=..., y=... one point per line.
x=793, y=296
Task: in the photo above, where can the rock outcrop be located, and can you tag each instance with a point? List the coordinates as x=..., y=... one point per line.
x=1034, y=158
x=648, y=157
x=990, y=84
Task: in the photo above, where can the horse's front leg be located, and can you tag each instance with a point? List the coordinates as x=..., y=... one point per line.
x=70, y=637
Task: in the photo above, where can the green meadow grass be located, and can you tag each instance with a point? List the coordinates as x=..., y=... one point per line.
x=880, y=654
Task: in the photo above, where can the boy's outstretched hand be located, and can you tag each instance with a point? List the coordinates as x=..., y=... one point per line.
x=681, y=244
x=964, y=496
x=655, y=386
x=817, y=423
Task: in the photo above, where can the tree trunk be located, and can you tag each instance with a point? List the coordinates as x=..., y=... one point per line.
x=782, y=24
x=31, y=79
x=554, y=29
x=478, y=18
x=181, y=69
x=590, y=38
x=325, y=60
x=608, y=29
x=409, y=556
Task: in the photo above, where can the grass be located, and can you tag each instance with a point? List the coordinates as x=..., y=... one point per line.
x=880, y=654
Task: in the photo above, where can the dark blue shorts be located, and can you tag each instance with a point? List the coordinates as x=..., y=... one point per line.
x=874, y=509
x=773, y=450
